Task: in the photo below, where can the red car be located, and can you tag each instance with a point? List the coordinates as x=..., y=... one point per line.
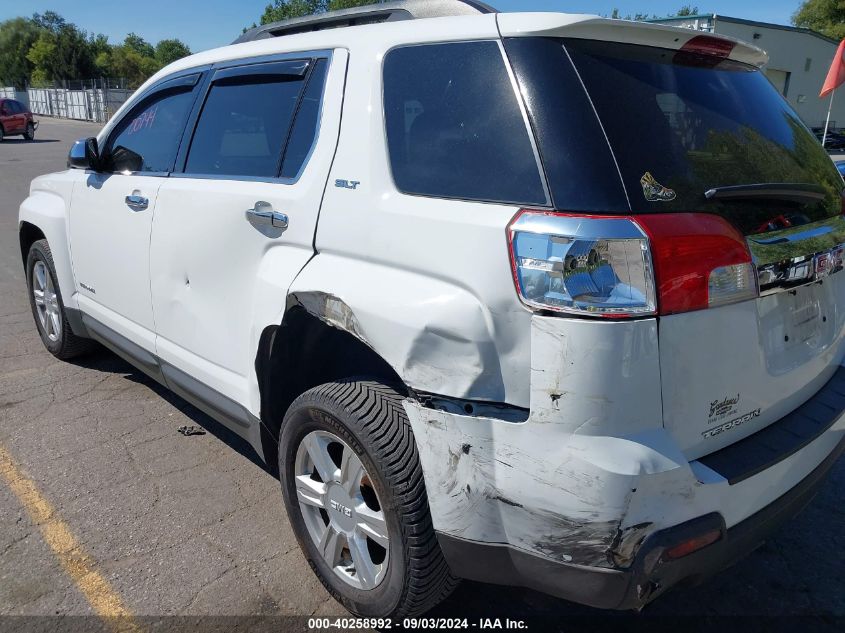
x=15, y=118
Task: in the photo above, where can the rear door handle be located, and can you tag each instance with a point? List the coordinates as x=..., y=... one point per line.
x=262, y=214
x=137, y=202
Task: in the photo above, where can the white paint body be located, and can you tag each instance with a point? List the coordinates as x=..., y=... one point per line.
x=616, y=408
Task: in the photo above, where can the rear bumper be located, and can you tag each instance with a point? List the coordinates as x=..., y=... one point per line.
x=650, y=574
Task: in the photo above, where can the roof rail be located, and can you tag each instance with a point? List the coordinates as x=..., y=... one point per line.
x=367, y=14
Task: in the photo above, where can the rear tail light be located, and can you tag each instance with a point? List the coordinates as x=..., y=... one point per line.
x=700, y=261
x=612, y=266
x=582, y=265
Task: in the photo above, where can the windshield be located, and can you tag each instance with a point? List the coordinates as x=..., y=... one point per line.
x=679, y=126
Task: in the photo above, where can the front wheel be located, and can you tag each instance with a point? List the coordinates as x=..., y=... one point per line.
x=354, y=491
x=45, y=299
x=29, y=134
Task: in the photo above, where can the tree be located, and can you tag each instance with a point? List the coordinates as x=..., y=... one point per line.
x=334, y=5
x=642, y=17
x=168, y=51
x=286, y=9
x=16, y=39
x=825, y=16
x=46, y=48
x=138, y=44
x=687, y=10
x=62, y=51
x=42, y=55
x=124, y=61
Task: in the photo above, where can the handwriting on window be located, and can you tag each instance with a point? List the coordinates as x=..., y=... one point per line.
x=143, y=121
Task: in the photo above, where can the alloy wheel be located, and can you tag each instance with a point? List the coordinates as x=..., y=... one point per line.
x=46, y=301
x=341, y=509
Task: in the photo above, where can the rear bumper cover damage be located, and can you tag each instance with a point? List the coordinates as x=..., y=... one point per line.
x=650, y=574
x=560, y=503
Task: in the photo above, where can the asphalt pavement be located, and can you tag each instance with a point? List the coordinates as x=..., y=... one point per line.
x=170, y=525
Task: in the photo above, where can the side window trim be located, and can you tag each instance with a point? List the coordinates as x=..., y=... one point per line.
x=247, y=66
x=185, y=79
x=293, y=68
x=529, y=127
x=305, y=88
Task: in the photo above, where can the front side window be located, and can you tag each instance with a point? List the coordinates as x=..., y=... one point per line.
x=454, y=125
x=147, y=139
x=244, y=125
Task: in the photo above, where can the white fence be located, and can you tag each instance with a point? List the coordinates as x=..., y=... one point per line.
x=91, y=104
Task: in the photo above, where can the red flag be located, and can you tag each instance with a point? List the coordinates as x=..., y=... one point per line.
x=836, y=74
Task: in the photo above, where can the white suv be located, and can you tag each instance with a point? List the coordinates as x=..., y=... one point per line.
x=536, y=299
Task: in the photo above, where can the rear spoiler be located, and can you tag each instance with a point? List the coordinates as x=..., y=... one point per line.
x=592, y=27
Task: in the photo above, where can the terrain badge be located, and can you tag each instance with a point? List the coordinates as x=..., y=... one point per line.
x=654, y=191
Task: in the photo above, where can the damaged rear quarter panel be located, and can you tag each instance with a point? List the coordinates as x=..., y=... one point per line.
x=438, y=337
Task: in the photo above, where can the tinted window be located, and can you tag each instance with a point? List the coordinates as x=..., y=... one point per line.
x=16, y=107
x=578, y=162
x=148, y=138
x=454, y=127
x=305, y=127
x=689, y=124
x=244, y=125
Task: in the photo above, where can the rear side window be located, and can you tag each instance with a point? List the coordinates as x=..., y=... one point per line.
x=454, y=126
x=244, y=126
x=147, y=139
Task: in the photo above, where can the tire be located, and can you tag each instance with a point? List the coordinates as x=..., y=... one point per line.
x=29, y=134
x=51, y=317
x=2, y=134
x=367, y=418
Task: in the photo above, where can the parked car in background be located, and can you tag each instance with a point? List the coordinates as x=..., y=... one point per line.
x=834, y=140
x=15, y=118
x=487, y=323
x=840, y=166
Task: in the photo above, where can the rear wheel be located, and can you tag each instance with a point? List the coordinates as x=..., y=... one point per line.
x=354, y=492
x=29, y=134
x=2, y=133
x=45, y=299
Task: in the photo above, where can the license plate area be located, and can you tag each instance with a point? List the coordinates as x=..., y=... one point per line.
x=798, y=325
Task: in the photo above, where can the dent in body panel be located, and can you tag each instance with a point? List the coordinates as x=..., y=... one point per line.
x=560, y=483
x=329, y=309
x=439, y=339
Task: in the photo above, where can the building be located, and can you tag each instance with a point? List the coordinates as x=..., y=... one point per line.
x=798, y=60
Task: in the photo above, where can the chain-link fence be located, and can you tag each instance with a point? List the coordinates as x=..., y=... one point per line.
x=84, y=100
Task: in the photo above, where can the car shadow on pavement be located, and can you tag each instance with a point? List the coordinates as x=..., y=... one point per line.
x=106, y=361
x=23, y=141
x=748, y=597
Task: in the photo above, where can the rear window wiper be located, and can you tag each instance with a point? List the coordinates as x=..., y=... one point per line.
x=805, y=193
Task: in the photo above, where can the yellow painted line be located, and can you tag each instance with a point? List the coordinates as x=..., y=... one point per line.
x=103, y=599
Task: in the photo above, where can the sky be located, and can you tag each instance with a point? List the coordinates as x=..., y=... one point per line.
x=204, y=24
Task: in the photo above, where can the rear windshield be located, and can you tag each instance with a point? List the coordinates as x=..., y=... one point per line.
x=679, y=126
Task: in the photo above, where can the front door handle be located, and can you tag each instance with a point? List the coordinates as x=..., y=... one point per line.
x=137, y=202
x=262, y=214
